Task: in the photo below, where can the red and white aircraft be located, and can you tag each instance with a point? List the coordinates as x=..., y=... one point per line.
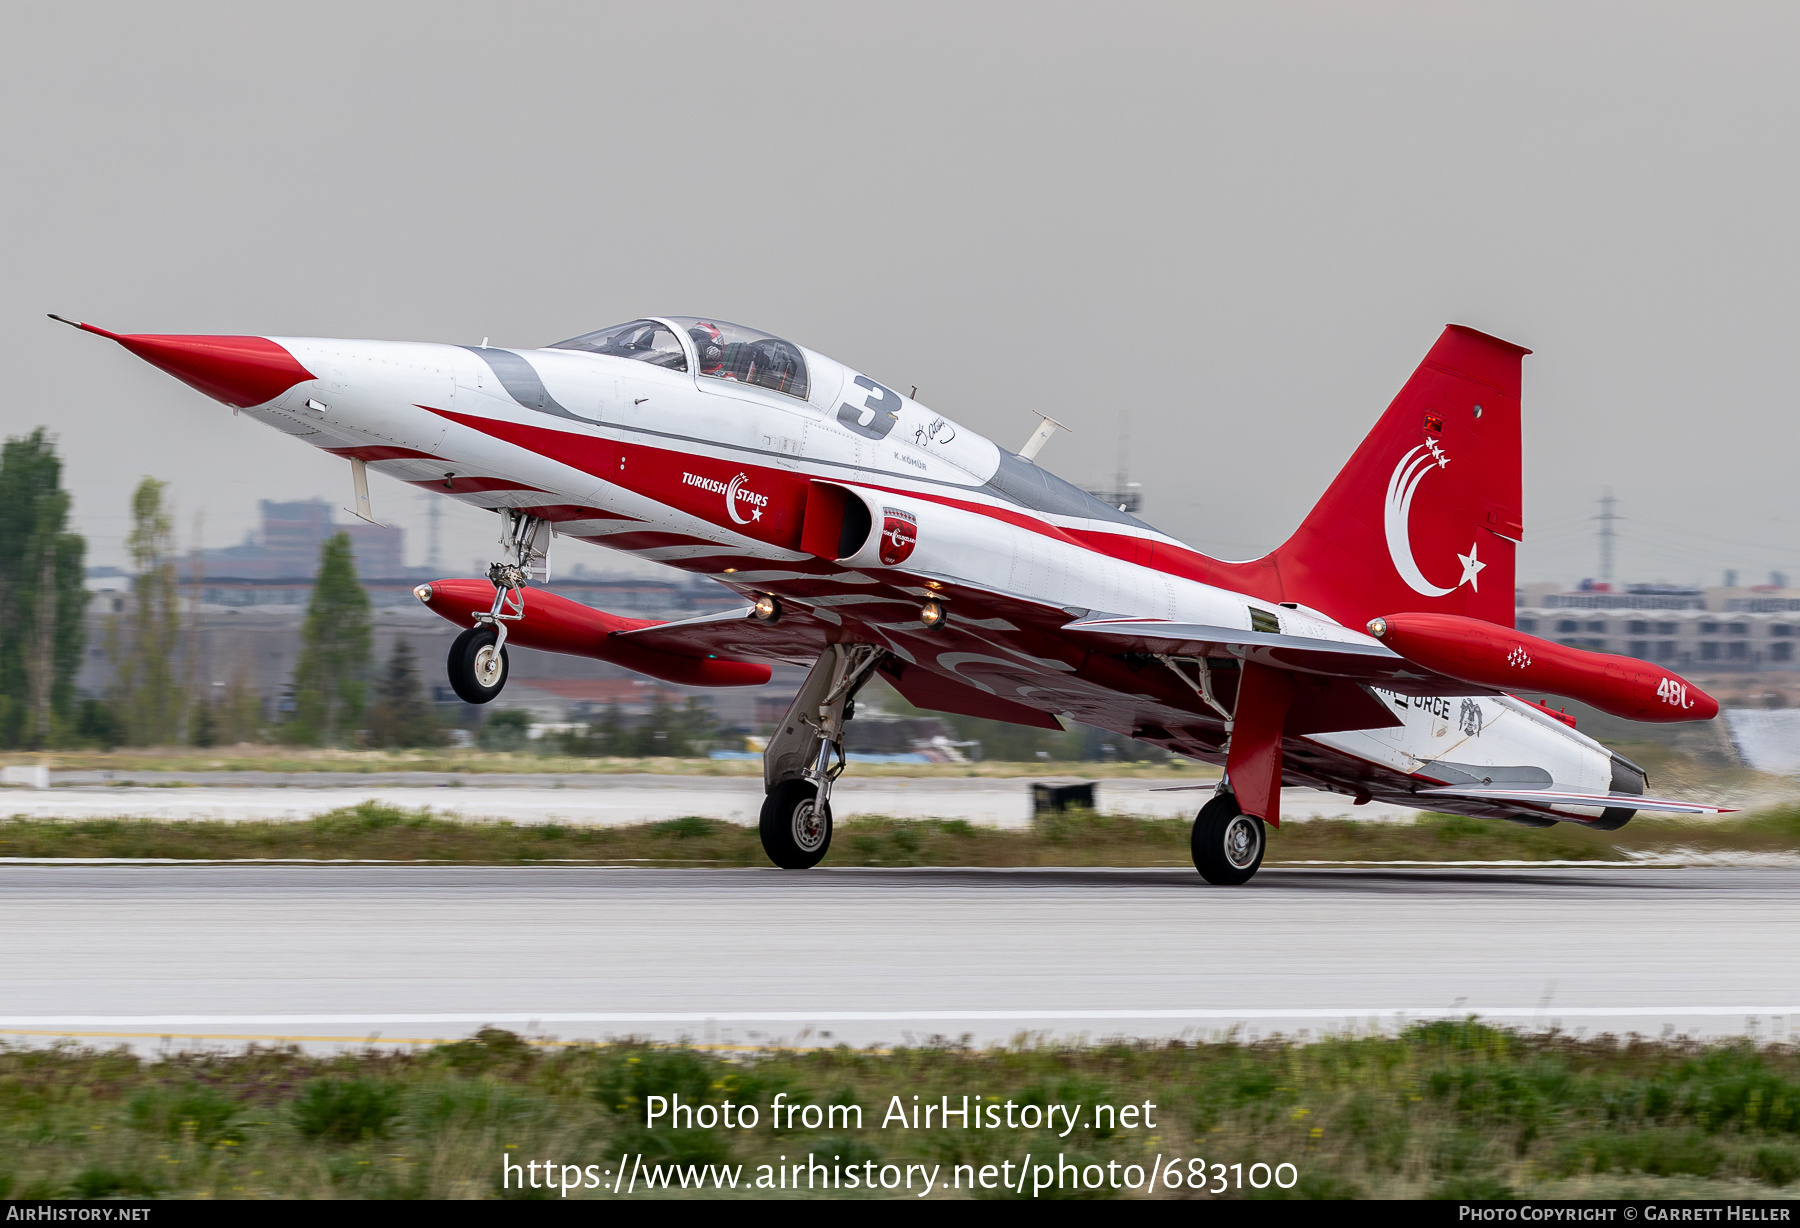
x=1373, y=654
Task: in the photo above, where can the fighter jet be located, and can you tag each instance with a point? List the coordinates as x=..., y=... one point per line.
x=1373, y=654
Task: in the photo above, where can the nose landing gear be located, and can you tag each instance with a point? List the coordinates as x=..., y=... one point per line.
x=478, y=664
x=807, y=754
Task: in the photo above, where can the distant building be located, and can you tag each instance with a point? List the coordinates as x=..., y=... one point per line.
x=1714, y=629
x=249, y=634
x=1592, y=595
x=288, y=543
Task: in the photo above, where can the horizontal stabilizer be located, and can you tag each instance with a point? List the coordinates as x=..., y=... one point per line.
x=1564, y=797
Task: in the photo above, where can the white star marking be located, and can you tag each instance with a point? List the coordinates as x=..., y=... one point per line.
x=1471, y=568
x=756, y=514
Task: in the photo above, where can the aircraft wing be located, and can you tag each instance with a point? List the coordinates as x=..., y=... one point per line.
x=1564, y=797
x=794, y=639
x=1369, y=663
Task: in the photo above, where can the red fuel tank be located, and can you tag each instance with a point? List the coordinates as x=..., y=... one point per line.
x=1471, y=650
x=556, y=624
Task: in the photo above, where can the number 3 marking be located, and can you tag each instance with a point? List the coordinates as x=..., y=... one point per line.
x=878, y=414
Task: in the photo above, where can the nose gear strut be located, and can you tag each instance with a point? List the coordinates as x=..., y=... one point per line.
x=525, y=540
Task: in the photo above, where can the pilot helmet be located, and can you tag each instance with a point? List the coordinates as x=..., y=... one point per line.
x=709, y=344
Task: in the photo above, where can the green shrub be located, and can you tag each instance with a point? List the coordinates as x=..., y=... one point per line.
x=458, y=1103
x=202, y=1111
x=1655, y=1153
x=345, y=1112
x=507, y=729
x=634, y=1075
x=485, y=1049
x=1776, y=1165
x=99, y=1181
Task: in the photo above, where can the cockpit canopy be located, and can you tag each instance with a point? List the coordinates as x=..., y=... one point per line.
x=733, y=352
x=724, y=351
x=641, y=340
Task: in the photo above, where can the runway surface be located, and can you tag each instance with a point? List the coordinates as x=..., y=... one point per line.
x=330, y=954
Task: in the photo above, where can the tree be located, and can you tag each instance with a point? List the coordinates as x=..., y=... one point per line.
x=507, y=729
x=42, y=596
x=151, y=701
x=237, y=714
x=331, y=679
x=401, y=716
x=671, y=731
x=595, y=740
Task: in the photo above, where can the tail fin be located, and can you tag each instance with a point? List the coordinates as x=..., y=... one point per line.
x=1427, y=515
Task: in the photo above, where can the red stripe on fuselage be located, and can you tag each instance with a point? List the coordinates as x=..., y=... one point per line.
x=657, y=473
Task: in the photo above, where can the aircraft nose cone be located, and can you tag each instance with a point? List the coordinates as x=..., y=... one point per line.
x=240, y=371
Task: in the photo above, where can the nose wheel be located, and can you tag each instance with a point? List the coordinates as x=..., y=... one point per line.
x=477, y=665
x=1228, y=844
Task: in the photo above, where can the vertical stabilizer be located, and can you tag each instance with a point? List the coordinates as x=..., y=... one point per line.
x=1427, y=514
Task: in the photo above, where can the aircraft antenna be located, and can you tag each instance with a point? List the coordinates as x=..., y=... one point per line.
x=1047, y=426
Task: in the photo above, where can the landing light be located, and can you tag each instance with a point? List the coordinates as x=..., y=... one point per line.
x=1378, y=627
x=423, y=593
x=933, y=615
x=765, y=608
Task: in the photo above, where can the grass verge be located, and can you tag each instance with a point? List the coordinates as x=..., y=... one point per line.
x=376, y=832
x=1446, y=1110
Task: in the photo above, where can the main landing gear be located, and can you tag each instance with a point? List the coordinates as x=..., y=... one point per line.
x=477, y=664
x=807, y=754
x=1228, y=845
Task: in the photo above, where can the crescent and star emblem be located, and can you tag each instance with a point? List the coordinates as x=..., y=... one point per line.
x=731, y=501
x=1402, y=486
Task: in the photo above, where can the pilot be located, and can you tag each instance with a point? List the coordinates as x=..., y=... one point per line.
x=709, y=344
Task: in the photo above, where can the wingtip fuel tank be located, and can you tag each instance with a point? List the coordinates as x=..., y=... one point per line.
x=1487, y=654
x=556, y=624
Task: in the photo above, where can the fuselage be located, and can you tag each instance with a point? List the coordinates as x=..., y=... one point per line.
x=713, y=473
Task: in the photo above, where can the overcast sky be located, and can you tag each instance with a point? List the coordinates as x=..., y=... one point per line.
x=1241, y=226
